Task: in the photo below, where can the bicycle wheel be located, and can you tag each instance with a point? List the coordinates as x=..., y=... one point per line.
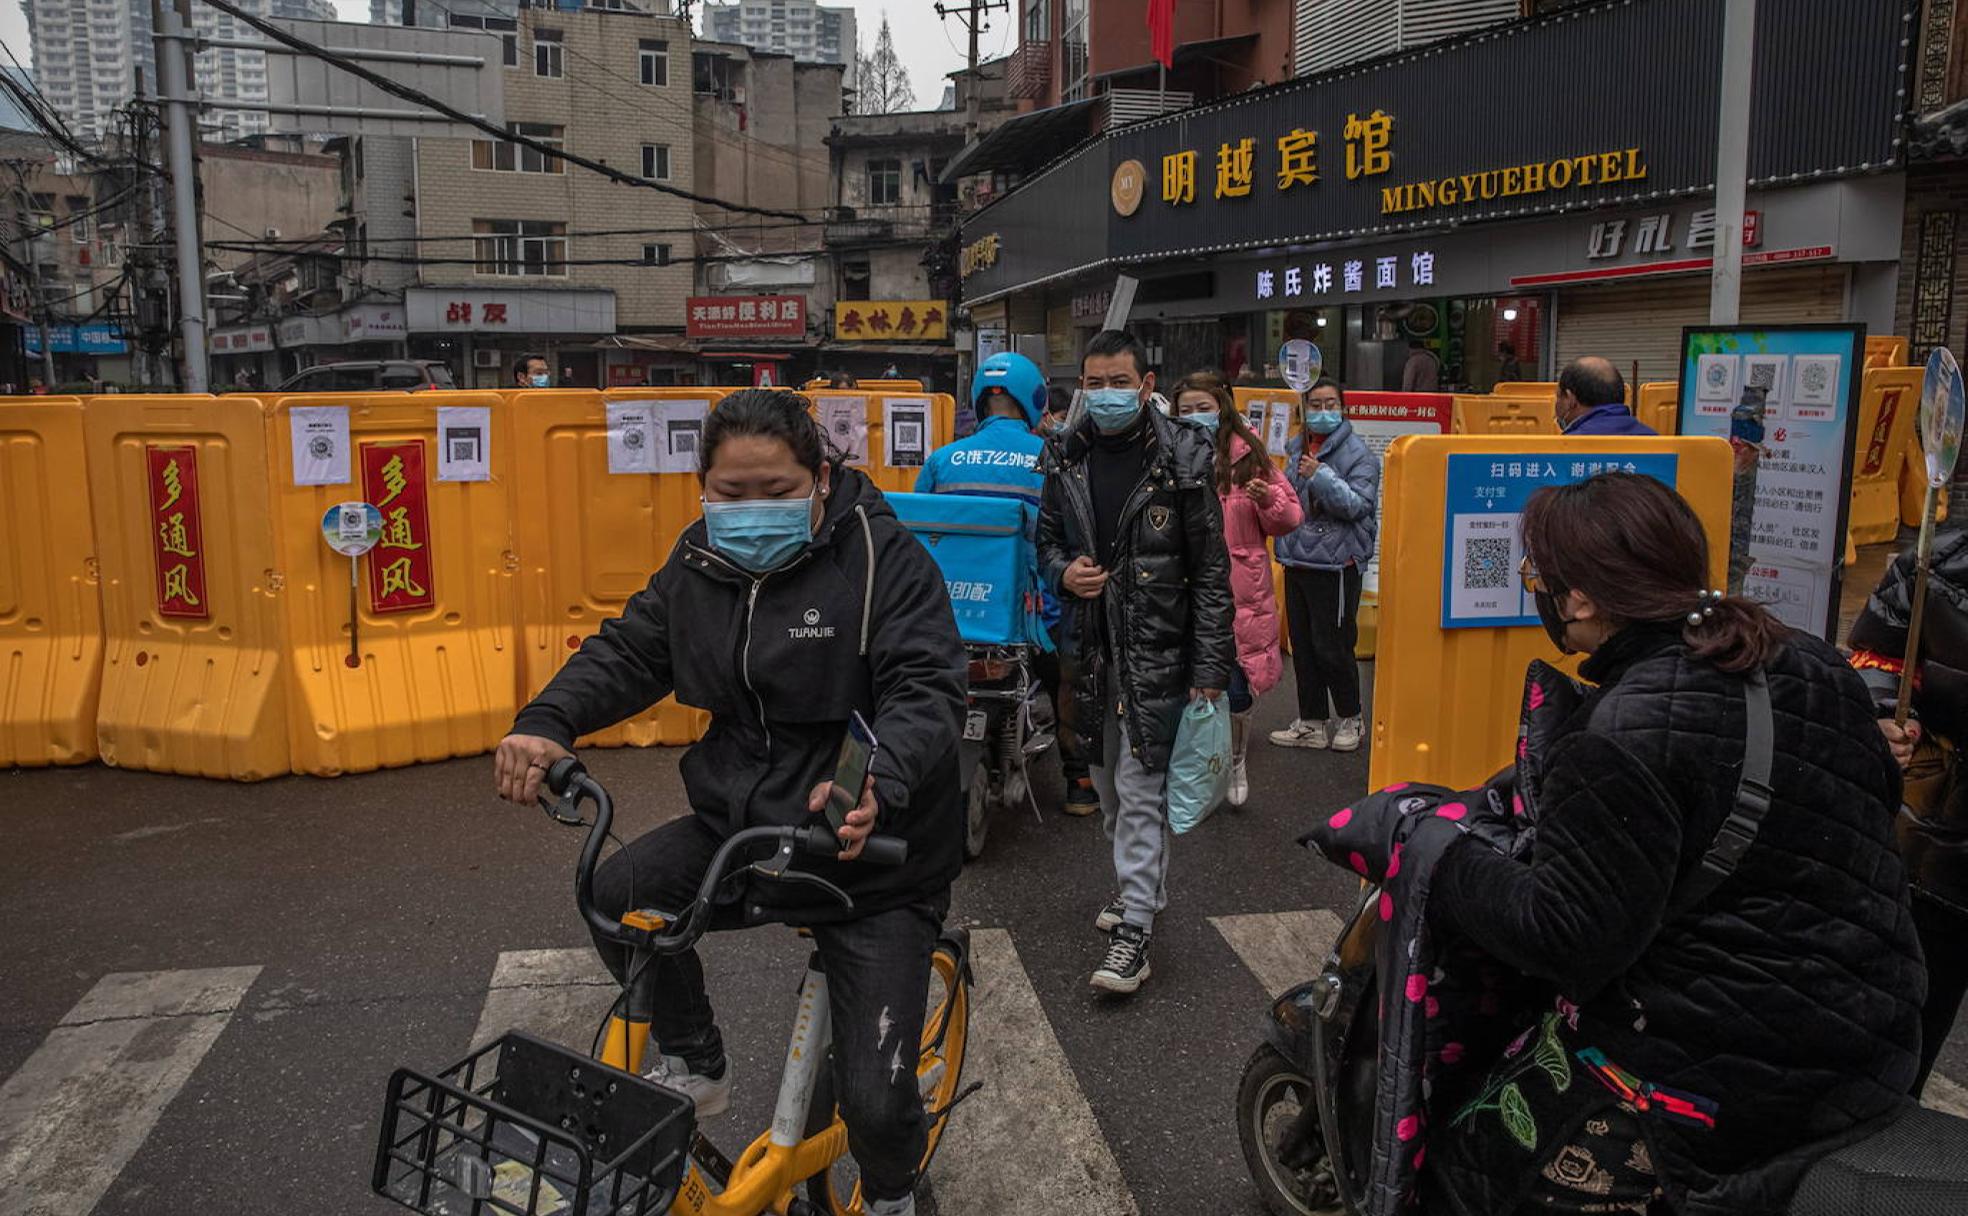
x=946, y=1032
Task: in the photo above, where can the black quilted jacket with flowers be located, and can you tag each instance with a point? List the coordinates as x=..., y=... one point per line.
x=1790, y=997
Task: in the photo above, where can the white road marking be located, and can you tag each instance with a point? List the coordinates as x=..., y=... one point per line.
x=1945, y=1095
x=1027, y=1141
x=1282, y=949
x=81, y=1105
x=558, y=995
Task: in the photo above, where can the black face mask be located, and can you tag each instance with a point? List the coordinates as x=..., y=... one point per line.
x=1553, y=620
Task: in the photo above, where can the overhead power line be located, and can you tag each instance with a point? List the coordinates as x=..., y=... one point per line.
x=417, y=97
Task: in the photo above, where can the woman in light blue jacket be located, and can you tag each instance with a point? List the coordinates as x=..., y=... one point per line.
x=1338, y=484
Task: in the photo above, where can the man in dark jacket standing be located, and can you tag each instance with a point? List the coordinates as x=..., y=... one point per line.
x=1131, y=533
x=1592, y=400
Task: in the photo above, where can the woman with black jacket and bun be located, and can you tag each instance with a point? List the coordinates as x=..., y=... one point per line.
x=798, y=600
x=1704, y=1050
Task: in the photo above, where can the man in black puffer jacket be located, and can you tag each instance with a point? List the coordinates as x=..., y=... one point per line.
x=1131, y=534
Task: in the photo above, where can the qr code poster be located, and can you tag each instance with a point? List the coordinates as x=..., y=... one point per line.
x=1815, y=388
x=845, y=420
x=905, y=427
x=679, y=433
x=464, y=443
x=631, y=437
x=1482, y=584
x=1715, y=383
x=1770, y=374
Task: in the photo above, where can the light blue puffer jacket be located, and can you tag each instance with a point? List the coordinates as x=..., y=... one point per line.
x=1339, y=502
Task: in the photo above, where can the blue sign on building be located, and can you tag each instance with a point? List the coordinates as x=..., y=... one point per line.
x=100, y=339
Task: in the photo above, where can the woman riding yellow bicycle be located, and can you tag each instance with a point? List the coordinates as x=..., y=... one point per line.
x=797, y=602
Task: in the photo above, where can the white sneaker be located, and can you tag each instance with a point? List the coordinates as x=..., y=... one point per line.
x=905, y=1206
x=1346, y=737
x=712, y=1096
x=1301, y=734
x=1239, y=783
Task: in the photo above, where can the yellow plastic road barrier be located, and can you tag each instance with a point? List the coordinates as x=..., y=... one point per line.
x=1886, y=350
x=1888, y=405
x=820, y=384
x=433, y=669
x=191, y=586
x=1497, y=414
x=1446, y=701
x=924, y=422
x=1913, y=486
x=51, y=645
x=1543, y=390
x=1660, y=406
x=594, y=521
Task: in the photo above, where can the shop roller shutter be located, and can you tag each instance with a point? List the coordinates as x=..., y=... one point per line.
x=1643, y=321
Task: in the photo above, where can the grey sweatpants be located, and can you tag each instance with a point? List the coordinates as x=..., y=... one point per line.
x=1134, y=809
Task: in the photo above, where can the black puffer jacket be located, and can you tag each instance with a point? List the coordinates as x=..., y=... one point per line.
x=861, y=620
x=1933, y=838
x=1167, y=606
x=1791, y=995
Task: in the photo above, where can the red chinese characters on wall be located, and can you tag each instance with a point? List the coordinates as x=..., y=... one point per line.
x=400, y=564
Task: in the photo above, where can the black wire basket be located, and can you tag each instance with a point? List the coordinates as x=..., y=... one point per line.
x=523, y=1127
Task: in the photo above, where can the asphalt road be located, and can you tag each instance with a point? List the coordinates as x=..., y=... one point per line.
x=377, y=907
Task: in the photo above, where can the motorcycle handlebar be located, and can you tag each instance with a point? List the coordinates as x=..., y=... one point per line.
x=569, y=782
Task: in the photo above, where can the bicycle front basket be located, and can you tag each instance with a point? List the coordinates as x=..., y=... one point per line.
x=523, y=1127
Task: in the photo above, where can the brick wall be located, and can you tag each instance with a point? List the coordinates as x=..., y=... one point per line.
x=608, y=114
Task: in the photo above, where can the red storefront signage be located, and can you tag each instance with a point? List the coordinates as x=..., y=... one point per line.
x=400, y=564
x=746, y=317
x=175, y=532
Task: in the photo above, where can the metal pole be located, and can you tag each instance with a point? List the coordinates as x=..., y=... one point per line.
x=1732, y=160
x=175, y=90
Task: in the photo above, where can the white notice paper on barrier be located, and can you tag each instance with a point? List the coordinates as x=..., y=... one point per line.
x=321, y=444
x=845, y=420
x=464, y=443
x=682, y=434
x=631, y=437
x=905, y=427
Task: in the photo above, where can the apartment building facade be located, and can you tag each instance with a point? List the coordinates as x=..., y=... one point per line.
x=817, y=33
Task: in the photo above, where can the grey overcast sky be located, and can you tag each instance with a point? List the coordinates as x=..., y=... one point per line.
x=928, y=46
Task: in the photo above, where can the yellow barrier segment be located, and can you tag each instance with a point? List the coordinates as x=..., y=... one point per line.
x=435, y=670
x=1886, y=350
x=589, y=538
x=51, y=644
x=191, y=586
x=1889, y=404
x=1446, y=701
x=1913, y=486
x=1493, y=414
x=1660, y=406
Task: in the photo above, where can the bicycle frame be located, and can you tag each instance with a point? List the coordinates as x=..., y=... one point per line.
x=767, y=1173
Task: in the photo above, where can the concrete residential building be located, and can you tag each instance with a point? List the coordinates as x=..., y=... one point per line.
x=86, y=58
x=816, y=33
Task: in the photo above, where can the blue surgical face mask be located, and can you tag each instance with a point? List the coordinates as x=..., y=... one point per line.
x=1207, y=419
x=1113, y=410
x=760, y=534
x=540, y=380
x=1323, y=422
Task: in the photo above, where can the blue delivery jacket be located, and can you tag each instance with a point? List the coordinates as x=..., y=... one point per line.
x=1000, y=460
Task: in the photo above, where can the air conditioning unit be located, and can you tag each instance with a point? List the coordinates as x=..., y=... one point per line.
x=485, y=358
x=273, y=234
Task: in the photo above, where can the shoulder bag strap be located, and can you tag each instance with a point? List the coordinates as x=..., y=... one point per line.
x=1745, y=819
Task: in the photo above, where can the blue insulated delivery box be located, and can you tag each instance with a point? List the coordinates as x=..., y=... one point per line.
x=983, y=546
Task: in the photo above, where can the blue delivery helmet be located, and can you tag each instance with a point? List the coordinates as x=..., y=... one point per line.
x=1017, y=376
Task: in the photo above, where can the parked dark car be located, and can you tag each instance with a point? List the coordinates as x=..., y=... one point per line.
x=375, y=375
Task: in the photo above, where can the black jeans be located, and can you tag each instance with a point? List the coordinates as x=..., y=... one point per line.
x=877, y=971
x=1944, y=940
x=1322, y=610
x=1055, y=673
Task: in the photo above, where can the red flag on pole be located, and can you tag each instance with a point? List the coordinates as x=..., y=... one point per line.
x=1161, y=30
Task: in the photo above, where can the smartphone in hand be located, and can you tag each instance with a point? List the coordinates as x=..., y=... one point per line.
x=857, y=753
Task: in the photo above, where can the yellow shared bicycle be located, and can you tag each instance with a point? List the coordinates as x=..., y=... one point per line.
x=523, y=1127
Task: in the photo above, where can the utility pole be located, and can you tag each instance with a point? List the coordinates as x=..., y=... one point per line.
x=173, y=41
x=20, y=168
x=974, y=15
x=1732, y=160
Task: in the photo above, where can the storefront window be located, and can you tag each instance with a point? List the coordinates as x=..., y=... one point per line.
x=1073, y=51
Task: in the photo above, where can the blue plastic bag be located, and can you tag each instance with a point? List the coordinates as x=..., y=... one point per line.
x=1199, y=764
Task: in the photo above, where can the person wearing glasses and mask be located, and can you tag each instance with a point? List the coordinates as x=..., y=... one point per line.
x=1337, y=480
x=1131, y=534
x=797, y=601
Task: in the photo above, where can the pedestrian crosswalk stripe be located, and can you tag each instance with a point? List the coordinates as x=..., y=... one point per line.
x=1027, y=1141
x=1944, y=1095
x=1282, y=949
x=77, y=1111
x=558, y=995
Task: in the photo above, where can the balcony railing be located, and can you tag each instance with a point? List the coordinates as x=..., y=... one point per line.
x=1029, y=71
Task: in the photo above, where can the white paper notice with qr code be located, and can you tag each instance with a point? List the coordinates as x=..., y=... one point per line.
x=682, y=432
x=464, y=443
x=1485, y=583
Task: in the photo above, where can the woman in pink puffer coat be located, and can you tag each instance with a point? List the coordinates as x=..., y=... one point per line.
x=1257, y=503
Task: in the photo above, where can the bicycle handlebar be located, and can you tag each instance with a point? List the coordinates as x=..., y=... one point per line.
x=570, y=784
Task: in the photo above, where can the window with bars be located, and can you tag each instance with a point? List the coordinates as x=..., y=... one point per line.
x=653, y=57
x=504, y=156
x=656, y=162
x=548, y=54
x=520, y=248
x=884, y=183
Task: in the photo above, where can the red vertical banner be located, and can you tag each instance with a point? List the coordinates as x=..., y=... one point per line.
x=176, y=536
x=400, y=564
